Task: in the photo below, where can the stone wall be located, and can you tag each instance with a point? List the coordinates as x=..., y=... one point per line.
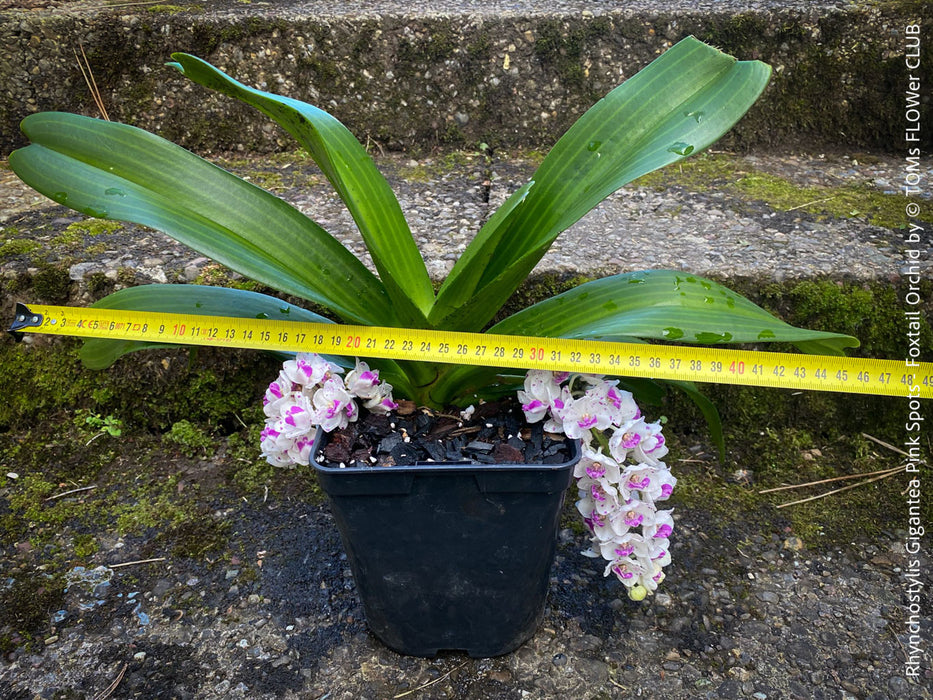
x=417, y=82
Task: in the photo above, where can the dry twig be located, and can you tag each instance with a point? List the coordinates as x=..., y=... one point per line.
x=884, y=444
x=429, y=683
x=898, y=640
x=885, y=475
x=616, y=683
x=88, y=76
x=807, y=204
x=123, y=4
x=835, y=478
x=132, y=563
x=875, y=476
x=108, y=691
x=68, y=493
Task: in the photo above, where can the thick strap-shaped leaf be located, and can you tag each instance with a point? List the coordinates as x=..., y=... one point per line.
x=97, y=353
x=710, y=414
x=663, y=305
x=678, y=105
x=115, y=171
x=648, y=305
x=351, y=171
x=207, y=301
x=476, y=310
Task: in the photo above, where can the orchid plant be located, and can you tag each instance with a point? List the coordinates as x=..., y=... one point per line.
x=617, y=500
x=678, y=105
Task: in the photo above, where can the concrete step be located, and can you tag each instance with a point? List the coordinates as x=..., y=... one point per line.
x=448, y=74
x=746, y=219
x=416, y=84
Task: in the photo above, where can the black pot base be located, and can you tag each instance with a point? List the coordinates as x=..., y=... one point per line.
x=450, y=557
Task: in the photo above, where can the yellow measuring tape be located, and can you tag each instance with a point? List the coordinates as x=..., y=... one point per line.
x=696, y=364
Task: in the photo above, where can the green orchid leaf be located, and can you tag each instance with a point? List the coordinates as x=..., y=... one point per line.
x=461, y=385
x=649, y=392
x=202, y=300
x=463, y=279
x=476, y=311
x=678, y=105
x=663, y=305
x=194, y=299
x=115, y=171
x=647, y=305
x=351, y=171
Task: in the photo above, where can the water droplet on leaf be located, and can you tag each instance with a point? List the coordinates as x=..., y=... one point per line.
x=593, y=145
x=672, y=333
x=765, y=334
x=681, y=148
x=262, y=314
x=697, y=115
x=712, y=337
x=115, y=192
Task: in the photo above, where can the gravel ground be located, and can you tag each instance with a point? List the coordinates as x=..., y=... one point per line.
x=748, y=614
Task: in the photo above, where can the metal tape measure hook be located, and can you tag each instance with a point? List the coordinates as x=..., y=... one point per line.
x=24, y=318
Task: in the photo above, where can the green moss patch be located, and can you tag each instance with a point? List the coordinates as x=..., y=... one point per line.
x=781, y=455
x=731, y=175
x=872, y=313
x=191, y=439
x=142, y=451
x=432, y=168
x=173, y=9
x=12, y=244
x=75, y=234
x=25, y=605
x=780, y=437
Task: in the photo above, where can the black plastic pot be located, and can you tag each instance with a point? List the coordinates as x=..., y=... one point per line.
x=450, y=556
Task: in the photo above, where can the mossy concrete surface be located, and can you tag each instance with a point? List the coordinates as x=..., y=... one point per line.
x=448, y=74
x=163, y=441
